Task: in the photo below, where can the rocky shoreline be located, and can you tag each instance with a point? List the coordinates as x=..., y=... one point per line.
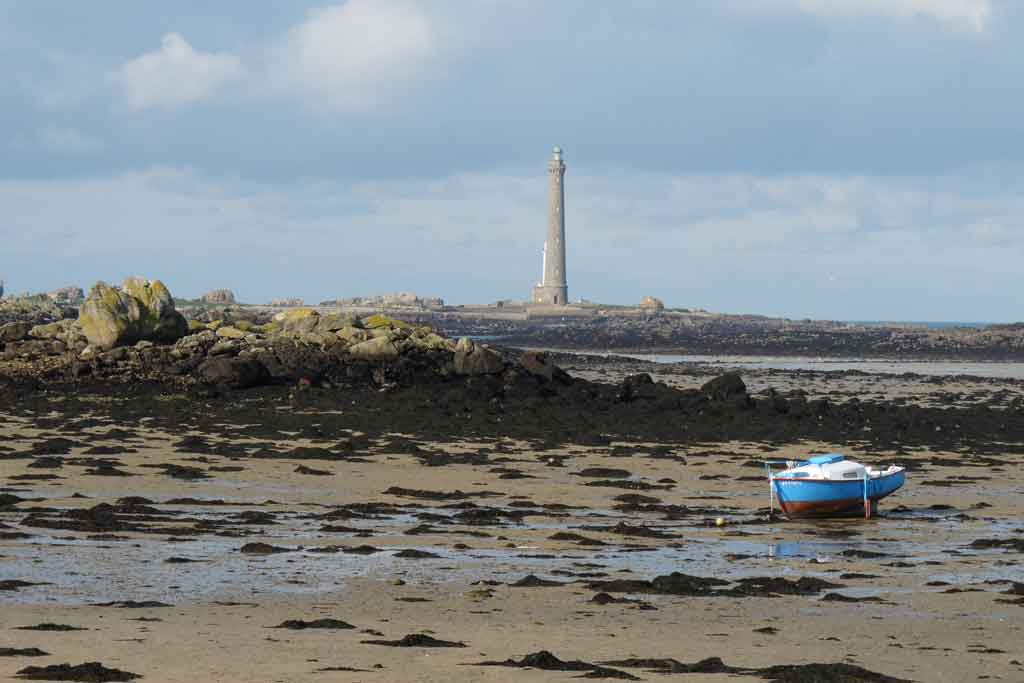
x=708, y=334
x=412, y=377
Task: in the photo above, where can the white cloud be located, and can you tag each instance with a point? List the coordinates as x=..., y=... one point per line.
x=971, y=14
x=175, y=75
x=353, y=55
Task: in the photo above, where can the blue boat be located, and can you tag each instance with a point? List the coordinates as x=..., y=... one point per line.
x=829, y=485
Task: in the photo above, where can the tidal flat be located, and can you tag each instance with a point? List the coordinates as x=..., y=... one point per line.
x=427, y=534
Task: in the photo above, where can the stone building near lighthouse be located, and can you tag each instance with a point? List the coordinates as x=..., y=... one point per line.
x=553, y=288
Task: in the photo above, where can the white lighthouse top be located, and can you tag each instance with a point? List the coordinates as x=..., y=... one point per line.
x=556, y=154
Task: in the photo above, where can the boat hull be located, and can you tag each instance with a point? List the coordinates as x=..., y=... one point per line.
x=830, y=498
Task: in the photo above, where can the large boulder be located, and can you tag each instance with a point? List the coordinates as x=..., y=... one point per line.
x=332, y=322
x=475, y=359
x=298, y=320
x=725, y=387
x=377, y=349
x=140, y=310
x=109, y=317
x=158, y=320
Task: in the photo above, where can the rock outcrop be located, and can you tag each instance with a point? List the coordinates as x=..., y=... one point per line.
x=287, y=303
x=399, y=300
x=67, y=296
x=652, y=304
x=139, y=310
x=222, y=297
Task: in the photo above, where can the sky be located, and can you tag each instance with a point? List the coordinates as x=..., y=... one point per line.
x=833, y=159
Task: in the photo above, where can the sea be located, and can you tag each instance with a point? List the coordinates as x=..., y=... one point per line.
x=943, y=368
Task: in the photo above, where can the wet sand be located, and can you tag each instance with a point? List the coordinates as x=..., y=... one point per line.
x=937, y=603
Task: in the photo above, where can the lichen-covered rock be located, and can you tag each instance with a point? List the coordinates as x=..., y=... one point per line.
x=332, y=322
x=377, y=349
x=109, y=317
x=433, y=342
x=141, y=309
x=318, y=338
x=377, y=320
x=50, y=331
x=193, y=342
x=351, y=335
x=298, y=320
x=475, y=359
x=229, y=332
x=158, y=319
x=13, y=332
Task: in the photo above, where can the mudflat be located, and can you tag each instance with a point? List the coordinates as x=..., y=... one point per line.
x=282, y=535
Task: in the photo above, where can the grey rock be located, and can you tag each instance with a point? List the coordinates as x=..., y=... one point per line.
x=377, y=349
x=476, y=359
x=235, y=373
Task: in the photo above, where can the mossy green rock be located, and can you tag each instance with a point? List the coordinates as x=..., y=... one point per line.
x=436, y=342
x=109, y=317
x=351, y=335
x=298, y=320
x=50, y=331
x=140, y=310
x=377, y=320
x=229, y=332
x=155, y=301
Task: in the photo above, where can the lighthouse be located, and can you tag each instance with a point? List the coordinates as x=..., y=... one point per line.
x=554, y=289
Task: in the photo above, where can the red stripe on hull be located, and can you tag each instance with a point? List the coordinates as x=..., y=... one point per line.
x=850, y=507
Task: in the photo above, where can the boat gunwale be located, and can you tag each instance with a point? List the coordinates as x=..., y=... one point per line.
x=809, y=480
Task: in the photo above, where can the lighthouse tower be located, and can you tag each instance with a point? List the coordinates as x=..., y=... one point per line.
x=553, y=289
